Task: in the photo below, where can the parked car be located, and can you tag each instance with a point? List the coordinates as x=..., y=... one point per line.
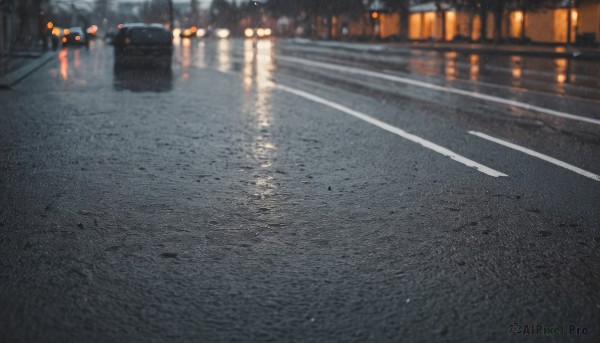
x=74, y=36
x=143, y=44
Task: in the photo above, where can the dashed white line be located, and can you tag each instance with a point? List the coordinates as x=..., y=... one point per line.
x=537, y=154
x=491, y=98
x=387, y=127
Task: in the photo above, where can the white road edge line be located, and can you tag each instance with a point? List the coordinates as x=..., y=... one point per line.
x=387, y=127
x=537, y=154
x=422, y=84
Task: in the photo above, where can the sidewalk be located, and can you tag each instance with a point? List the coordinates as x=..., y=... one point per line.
x=466, y=48
x=20, y=64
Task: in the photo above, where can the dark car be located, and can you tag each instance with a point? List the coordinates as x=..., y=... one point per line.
x=142, y=44
x=75, y=36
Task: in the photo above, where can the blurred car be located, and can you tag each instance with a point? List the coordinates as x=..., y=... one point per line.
x=74, y=36
x=201, y=33
x=143, y=44
x=258, y=32
x=189, y=32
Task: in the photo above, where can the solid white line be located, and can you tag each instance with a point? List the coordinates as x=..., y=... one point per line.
x=431, y=86
x=393, y=129
x=538, y=155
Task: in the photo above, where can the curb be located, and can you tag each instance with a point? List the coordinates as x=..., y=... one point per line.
x=14, y=77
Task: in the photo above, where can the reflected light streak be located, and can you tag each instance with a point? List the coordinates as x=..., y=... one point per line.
x=186, y=60
x=474, y=68
x=451, y=55
x=77, y=61
x=223, y=55
x=516, y=70
x=199, y=55
x=248, y=71
x=257, y=74
x=561, y=70
x=451, y=71
x=64, y=64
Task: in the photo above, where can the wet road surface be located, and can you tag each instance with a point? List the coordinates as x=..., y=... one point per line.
x=269, y=191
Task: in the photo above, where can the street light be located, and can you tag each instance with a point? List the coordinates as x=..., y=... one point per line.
x=171, y=19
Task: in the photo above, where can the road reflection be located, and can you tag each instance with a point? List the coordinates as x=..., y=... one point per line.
x=562, y=76
x=199, y=60
x=451, y=70
x=73, y=67
x=143, y=80
x=224, y=51
x=563, y=68
x=474, y=68
x=186, y=55
x=257, y=76
x=77, y=60
x=64, y=64
x=516, y=71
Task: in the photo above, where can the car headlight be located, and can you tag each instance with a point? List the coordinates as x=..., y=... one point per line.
x=249, y=33
x=222, y=33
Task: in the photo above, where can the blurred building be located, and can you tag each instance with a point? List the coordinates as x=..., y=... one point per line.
x=21, y=24
x=441, y=21
x=558, y=25
x=8, y=25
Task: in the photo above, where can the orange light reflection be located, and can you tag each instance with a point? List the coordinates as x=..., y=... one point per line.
x=77, y=61
x=474, y=68
x=64, y=64
x=516, y=70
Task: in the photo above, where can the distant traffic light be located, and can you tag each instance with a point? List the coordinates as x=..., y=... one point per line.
x=374, y=17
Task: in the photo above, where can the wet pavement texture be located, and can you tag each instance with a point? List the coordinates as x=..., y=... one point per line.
x=206, y=204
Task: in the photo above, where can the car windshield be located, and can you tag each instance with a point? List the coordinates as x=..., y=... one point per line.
x=151, y=36
x=300, y=171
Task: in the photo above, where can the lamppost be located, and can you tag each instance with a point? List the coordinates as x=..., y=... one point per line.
x=171, y=19
x=569, y=22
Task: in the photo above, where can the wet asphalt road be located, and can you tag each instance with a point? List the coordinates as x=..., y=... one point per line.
x=206, y=203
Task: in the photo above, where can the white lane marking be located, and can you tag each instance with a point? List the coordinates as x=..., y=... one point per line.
x=416, y=139
x=422, y=84
x=538, y=155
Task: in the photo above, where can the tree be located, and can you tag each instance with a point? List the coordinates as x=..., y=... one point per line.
x=317, y=8
x=194, y=14
x=223, y=14
x=155, y=11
